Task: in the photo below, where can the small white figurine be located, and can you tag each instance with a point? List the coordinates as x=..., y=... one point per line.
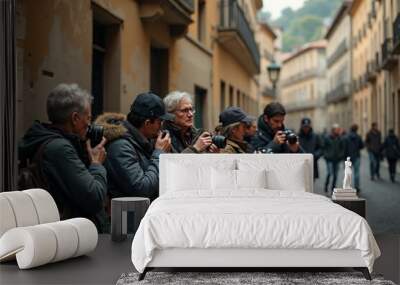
x=347, y=174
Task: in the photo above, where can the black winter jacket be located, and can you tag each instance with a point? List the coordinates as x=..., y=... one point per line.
x=264, y=139
x=132, y=162
x=311, y=143
x=79, y=190
x=353, y=145
x=373, y=141
x=391, y=147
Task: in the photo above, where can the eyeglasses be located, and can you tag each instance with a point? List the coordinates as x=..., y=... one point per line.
x=187, y=110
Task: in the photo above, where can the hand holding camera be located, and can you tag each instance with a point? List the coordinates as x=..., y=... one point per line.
x=280, y=137
x=97, y=154
x=163, y=141
x=285, y=136
x=203, y=142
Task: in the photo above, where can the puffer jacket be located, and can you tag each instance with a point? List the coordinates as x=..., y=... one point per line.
x=132, y=161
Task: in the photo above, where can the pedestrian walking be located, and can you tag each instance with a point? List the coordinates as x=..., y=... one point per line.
x=353, y=146
x=373, y=142
x=333, y=151
x=310, y=142
x=391, y=150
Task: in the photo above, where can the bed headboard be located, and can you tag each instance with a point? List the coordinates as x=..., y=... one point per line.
x=210, y=159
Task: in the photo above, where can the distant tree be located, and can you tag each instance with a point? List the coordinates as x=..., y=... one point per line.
x=306, y=23
x=264, y=16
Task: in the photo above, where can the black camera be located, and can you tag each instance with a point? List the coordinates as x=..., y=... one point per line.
x=291, y=137
x=164, y=133
x=95, y=134
x=219, y=141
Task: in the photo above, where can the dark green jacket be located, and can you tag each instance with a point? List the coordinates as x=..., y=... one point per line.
x=334, y=148
x=132, y=162
x=78, y=189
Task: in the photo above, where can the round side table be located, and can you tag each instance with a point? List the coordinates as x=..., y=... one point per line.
x=120, y=207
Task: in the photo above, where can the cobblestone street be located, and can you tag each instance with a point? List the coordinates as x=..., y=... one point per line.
x=383, y=196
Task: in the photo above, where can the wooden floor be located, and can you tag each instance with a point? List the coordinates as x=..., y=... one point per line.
x=110, y=260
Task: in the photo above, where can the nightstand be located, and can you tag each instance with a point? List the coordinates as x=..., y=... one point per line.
x=358, y=206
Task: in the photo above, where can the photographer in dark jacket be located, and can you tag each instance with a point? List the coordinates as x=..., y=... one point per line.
x=76, y=177
x=353, y=146
x=185, y=138
x=271, y=137
x=310, y=143
x=333, y=150
x=135, y=146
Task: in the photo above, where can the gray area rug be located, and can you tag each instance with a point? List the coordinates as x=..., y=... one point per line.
x=228, y=278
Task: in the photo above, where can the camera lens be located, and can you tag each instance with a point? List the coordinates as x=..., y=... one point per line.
x=95, y=134
x=219, y=141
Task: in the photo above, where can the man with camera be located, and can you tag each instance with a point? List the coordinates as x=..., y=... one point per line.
x=134, y=145
x=75, y=176
x=272, y=136
x=185, y=138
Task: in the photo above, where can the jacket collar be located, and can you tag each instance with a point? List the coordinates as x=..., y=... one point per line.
x=137, y=137
x=239, y=147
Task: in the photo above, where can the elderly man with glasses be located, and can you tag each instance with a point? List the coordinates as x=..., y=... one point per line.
x=184, y=136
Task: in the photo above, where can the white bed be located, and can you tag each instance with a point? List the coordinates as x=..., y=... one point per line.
x=231, y=211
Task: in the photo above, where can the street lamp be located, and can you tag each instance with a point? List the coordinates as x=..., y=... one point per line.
x=274, y=70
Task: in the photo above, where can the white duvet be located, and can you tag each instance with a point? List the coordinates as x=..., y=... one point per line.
x=250, y=219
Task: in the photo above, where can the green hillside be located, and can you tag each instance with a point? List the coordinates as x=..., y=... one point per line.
x=305, y=24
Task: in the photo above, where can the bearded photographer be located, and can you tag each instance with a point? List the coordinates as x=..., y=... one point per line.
x=75, y=177
x=272, y=136
x=185, y=138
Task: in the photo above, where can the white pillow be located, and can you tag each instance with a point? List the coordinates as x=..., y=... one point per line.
x=282, y=173
x=223, y=179
x=186, y=174
x=251, y=178
x=183, y=177
x=292, y=179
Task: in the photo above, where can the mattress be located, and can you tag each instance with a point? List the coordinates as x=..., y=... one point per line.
x=251, y=219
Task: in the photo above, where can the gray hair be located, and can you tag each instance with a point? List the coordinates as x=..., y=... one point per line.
x=64, y=100
x=227, y=130
x=172, y=100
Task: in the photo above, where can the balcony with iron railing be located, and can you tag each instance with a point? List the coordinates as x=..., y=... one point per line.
x=339, y=52
x=175, y=13
x=339, y=93
x=301, y=105
x=389, y=60
x=300, y=76
x=396, y=34
x=237, y=37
